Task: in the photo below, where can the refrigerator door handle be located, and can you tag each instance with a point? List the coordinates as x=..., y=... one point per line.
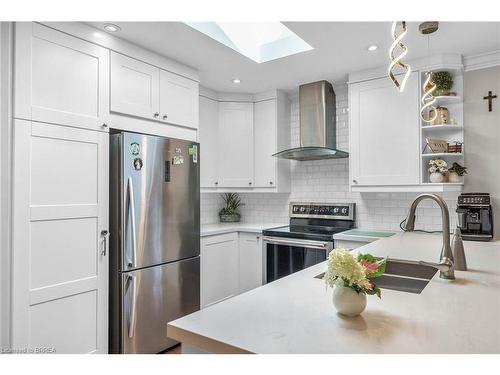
x=131, y=206
x=131, y=324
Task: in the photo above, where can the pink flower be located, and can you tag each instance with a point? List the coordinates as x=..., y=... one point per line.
x=370, y=267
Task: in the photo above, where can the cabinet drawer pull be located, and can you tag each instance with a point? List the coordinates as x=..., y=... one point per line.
x=270, y=182
x=165, y=117
x=156, y=115
x=249, y=183
x=355, y=181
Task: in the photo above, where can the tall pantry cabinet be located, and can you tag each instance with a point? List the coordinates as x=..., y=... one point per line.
x=67, y=94
x=60, y=200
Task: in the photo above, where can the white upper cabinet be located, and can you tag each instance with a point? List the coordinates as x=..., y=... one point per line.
x=134, y=87
x=209, y=115
x=142, y=90
x=235, y=144
x=238, y=144
x=265, y=143
x=60, y=79
x=178, y=100
x=384, y=133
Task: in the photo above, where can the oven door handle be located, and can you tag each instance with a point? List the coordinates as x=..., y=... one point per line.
x=302, y=243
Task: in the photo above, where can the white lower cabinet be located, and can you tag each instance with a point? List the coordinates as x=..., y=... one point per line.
x=230, y=264
x=250, y=261
x=219, y=268
x=60, y=264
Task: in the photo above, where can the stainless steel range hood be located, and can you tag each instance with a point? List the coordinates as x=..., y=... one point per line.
x=318, y=129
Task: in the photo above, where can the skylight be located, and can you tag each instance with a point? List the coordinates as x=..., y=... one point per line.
x=259, y=41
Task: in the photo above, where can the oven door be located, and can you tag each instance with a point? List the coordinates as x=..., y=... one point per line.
x=285, y=256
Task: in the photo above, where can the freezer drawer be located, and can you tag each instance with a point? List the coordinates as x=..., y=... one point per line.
x=153, y=296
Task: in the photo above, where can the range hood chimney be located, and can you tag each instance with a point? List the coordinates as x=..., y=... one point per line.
x=318, y=128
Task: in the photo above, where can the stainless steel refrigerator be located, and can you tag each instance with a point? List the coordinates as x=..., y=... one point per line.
x=154, y=239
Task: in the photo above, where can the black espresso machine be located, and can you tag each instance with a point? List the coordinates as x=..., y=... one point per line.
x=475, y=216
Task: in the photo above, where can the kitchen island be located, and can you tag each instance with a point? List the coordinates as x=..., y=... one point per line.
x=295, y=314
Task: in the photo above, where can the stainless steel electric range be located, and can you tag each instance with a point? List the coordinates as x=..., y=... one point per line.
x=308, y=239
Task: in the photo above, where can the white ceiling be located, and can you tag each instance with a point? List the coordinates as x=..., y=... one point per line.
x=340, y=48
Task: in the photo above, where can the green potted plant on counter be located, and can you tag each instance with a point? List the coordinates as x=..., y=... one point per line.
x=229, y=213
x=351, y=277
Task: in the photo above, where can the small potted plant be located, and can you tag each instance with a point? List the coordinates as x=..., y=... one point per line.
x=229, y=213
x=456, y=173
x=444, y=83
x=351, y=277
x=437, y=170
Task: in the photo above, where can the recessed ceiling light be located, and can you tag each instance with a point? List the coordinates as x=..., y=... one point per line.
x=372, y=48
x=236, y=80
x=259, y=41
x=111, y=27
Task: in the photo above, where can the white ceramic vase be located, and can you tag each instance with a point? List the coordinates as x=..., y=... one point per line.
x=454, y=177
x=347, y=301
x=436, y=177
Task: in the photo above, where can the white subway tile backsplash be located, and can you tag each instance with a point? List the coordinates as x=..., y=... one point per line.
x=327, y=181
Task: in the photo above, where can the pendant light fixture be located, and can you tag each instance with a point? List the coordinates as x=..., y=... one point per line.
x=428, y=100
x=398, y=32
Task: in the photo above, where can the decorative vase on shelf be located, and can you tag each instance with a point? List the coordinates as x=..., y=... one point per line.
x=454, y=177
x=436, y=177
x=347, y=301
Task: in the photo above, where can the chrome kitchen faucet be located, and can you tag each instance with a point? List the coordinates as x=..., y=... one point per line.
x=446, y=265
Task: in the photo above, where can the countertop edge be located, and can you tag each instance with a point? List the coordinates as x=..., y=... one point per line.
x=202, y=342
x=215, y=229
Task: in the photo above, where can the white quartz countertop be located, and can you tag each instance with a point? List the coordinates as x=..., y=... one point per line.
x=221, y=228
x=362, y=235
x=295, y=314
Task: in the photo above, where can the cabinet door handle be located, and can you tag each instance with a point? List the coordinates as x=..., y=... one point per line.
x=156, y=115
x=355, y=181
x=104, y=126
x=216, y=183
x=104, y=235
x=165, y=117
x=249, y=183
x=270, y=182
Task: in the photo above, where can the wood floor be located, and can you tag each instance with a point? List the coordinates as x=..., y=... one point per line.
x=174, y=350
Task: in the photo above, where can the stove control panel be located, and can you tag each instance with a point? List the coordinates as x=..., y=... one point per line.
x=338, y=211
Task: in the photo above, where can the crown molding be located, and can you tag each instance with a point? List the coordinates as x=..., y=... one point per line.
x=482, y=61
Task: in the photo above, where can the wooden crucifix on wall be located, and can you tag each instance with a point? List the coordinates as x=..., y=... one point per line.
x=490, y=98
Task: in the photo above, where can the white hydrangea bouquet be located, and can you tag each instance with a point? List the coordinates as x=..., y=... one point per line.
x=437, y=166
x=354, y=272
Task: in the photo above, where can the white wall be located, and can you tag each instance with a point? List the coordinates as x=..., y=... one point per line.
x=327, y=181
x=482, y=136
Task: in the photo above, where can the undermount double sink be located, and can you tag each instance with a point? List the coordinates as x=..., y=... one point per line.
x=403, y=276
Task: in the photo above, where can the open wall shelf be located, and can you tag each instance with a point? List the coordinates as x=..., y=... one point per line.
x=448, y=132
